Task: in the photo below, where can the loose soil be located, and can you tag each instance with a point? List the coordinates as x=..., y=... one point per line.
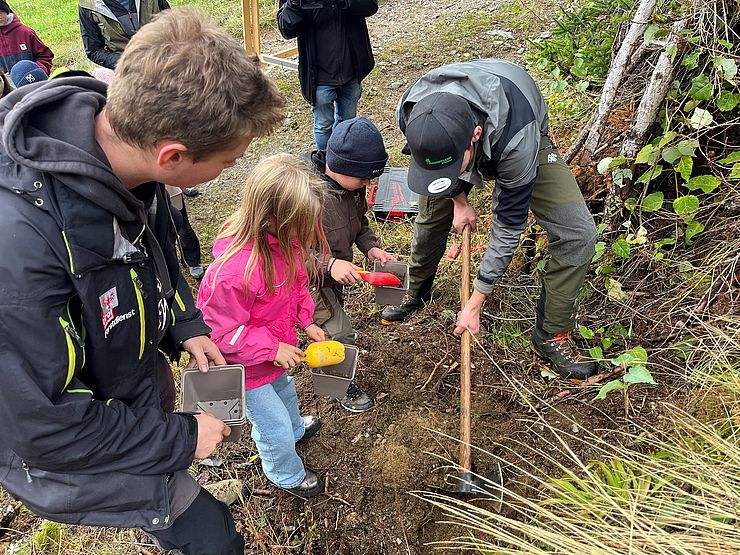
x=373, y=462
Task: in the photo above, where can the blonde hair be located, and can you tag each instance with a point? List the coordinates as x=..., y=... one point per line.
x=183, y=78
x=284, y=197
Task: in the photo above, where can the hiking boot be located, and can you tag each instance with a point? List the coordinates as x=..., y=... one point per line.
x=393, y=314
x=311, y=486
x=311, y=425
x=356, y=400
x=560, y=351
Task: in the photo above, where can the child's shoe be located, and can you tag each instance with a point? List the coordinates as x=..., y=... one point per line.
x=311, y=425
x=311, y=486
x=356, y=400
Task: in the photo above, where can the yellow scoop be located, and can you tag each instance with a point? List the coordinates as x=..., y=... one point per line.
x=324, y=353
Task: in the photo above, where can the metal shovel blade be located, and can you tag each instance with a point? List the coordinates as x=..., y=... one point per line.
x=489, y=486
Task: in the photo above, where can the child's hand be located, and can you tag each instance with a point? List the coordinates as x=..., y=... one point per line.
x=344, y=272
x=315, y=333
x=288, y=356
x=376, y=253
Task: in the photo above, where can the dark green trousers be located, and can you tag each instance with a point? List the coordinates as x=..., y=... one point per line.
x=558, y=205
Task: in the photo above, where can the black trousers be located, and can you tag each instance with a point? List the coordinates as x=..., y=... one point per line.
x=188, y=239
x=205, y=528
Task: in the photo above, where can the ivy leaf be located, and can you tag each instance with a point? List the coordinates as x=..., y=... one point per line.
x=685, y=166
x=653, y=31
x=653, y=202
x=596, y=352
x=735, y=171
x=620, y=174
x=701, y=118
x=621, y=248
x=671, y=154
x=638, y=374
x=639, y=353
x=706, y=183
x=614, y=385
x=585, y=332
x=701, y=88
x=686, y=205
x=731, y=158
x=599, y=251
x=727, y=101
x=647, y=155
x=649, y=175
x=692, y=228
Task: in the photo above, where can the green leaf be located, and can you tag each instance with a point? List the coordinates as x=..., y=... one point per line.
x=701, y=118
x=620, y=174
x=727, y=67
x=735, y=171
x=599, y=251
x=692, y=228
x=639, y=353
x=585, y=332
x=667, y=137
x=671, y=154
x=653, y=202
x=650, y=33
x=614, y=290
x=604, y=165
x=731, y=158
x=596, y=352
x=630, y=203
x=670, y=51
x=690, y=60
x=645, y=154
x=687, y=147
x=638, y=374
x=685, y=166
x=727, y=101
x=621, y=248
x=686, y=205
x=690, y=105
x=701, y=88
x=667, y=241
x=624, y=358
x=614, y=385
x=706, y=183
x=606, y=342
x=649, y=175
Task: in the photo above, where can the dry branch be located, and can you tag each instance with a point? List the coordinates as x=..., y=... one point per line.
x=591, y=134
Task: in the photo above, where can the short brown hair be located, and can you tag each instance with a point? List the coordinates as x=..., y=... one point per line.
x=183, y=78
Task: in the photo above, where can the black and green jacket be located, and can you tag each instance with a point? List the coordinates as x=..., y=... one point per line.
x=90, y=292
x=107, y=26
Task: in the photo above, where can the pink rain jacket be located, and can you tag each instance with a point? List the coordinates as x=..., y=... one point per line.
x=248, y=329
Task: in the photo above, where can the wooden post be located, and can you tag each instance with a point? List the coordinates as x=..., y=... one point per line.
x=251, y=26
x=465, y=367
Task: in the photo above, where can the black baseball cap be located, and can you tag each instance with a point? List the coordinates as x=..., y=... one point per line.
x=438, y=133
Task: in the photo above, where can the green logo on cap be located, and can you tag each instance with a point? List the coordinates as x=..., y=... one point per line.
x=445, y=160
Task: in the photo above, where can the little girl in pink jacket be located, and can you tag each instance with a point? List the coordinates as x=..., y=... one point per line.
x=254, y=296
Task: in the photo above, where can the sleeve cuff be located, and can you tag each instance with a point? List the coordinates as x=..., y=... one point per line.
x=483, y=287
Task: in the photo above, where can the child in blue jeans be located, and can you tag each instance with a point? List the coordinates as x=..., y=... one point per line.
x=255, y=294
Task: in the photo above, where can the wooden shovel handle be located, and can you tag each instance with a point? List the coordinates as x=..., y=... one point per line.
x=465, y=371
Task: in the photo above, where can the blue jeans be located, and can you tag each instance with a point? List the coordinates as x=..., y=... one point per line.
x=333, y=104
x=276, y=422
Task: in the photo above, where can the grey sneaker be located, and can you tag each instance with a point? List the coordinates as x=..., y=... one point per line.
x=197, y=271
x=356, y=400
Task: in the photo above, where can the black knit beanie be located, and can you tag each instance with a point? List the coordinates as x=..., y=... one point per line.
x=356, y=149
x=4, y=7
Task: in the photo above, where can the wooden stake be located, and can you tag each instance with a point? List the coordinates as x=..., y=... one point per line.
x=465, y=369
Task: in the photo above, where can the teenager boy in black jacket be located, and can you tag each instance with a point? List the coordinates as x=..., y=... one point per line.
x=334, y=56
x=91, y=292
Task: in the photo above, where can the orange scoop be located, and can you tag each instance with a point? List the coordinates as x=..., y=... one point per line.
x=380, y=279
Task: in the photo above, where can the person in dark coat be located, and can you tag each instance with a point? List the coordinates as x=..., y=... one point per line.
x=92, y=296
x=334, y=56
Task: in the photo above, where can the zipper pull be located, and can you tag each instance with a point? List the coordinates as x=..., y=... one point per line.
x=140, y=285
x=24, y=465
x=130, y=257
x=76, y=336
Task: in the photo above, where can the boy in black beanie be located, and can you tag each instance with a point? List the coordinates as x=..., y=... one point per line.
x=355, y=155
